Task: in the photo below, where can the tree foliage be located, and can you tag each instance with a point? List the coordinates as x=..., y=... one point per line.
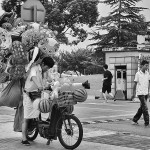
x=64, y=16
x=12, y=5
x=122, y=24
x=81, y=60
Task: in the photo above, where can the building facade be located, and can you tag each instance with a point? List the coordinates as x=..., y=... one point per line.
x=123, y=64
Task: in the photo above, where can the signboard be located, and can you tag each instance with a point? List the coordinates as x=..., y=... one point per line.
x=33, y=11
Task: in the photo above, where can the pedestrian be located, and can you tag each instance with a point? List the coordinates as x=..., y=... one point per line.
x=141, y=89
x=107, y=82
x=34, y=82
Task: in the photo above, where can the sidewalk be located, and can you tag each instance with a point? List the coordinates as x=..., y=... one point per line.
x=11, y=140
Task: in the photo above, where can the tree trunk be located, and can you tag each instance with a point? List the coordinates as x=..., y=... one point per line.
x=119, y=25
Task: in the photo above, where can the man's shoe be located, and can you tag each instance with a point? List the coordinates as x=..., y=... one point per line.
x=26, y=143
x=114, y=99
x=86, y=85
x=134, y=123
x=97, y=97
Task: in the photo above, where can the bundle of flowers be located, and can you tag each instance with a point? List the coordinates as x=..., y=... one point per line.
x=18, y=39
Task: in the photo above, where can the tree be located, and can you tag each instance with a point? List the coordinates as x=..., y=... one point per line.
x=81, y=60
x=69, y=16
x=12, y=5
x=64, y=16
x=123, y=24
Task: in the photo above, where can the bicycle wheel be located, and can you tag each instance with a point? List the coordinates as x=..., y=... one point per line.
x=70, y=133
x=32, y=131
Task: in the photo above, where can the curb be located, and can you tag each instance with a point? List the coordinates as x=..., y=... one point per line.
x=104, y=121
x=89, y=122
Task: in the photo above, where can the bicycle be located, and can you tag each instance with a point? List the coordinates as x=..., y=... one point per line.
x=63, y=125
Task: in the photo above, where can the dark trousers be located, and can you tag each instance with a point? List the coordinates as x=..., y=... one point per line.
x=55, y=114
x=142, y=110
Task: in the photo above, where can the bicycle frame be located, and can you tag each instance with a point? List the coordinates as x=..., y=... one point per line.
x=60, y=123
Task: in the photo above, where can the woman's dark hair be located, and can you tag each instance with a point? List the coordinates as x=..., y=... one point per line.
x=105, y=66
x=48, y=61
x=143, y=62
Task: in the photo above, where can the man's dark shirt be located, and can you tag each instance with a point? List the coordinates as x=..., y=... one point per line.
x=108, y=75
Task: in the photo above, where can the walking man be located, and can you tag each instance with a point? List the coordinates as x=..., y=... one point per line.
x=107, y=81
x=141, y=88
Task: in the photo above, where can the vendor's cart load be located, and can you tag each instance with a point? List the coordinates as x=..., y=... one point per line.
x=45, y=105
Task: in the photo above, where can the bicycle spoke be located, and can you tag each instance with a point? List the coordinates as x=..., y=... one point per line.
x=71, y=132
x=72, y=126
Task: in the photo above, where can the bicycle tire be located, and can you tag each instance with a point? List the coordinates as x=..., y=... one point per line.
x=60, y=134
x=32, y=138
x=33, y=129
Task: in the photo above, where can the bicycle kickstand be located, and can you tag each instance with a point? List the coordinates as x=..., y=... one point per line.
x=49, y=141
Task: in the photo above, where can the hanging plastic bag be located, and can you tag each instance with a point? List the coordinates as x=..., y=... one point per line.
x=3, y=77
x=19, y=116
x=11, y=94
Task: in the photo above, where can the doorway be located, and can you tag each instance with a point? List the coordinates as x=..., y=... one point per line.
x=121, y=80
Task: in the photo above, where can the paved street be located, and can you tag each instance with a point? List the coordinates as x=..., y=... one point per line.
x=93, y=110
x=107, y=126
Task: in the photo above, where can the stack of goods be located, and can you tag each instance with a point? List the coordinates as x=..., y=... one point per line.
x=20, y=40
x=80, y=95
x=45, y=105
x=17, y=40
x=65, y=99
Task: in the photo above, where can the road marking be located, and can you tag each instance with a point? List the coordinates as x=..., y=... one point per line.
x=113, y=116
x=98, y=133
x=107, y=109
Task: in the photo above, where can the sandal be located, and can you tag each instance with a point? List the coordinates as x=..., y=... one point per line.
x=26, y=143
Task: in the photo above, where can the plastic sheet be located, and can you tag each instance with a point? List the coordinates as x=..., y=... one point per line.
x=12, y=94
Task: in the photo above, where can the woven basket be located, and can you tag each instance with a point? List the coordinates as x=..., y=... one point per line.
x=65, y=99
